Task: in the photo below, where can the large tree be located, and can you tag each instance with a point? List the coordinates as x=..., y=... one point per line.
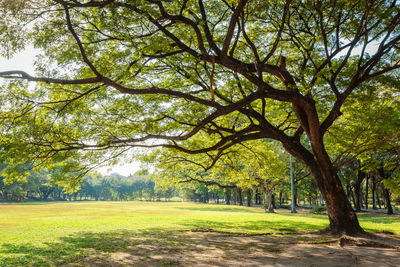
x=118, y=74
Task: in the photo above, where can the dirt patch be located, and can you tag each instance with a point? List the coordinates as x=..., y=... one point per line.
x=207, y=248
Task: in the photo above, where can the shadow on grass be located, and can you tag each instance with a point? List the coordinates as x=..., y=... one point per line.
x=210, y=207
x=153, y=247
x=251, y=227
x=145, y=247
x=90, y=249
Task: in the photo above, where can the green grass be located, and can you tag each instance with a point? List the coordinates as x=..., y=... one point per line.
x=56, y=233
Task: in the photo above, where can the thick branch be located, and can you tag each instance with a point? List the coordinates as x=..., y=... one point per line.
x=232, y=24
x=17, y=74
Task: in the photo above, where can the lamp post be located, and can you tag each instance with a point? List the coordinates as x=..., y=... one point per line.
x=292, y=184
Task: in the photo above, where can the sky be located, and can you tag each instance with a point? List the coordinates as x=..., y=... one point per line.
x=25, y=61
x=21, y=61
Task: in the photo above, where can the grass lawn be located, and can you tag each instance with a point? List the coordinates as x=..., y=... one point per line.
x=57, y=233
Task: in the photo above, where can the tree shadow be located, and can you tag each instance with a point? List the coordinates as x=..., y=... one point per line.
x=152, y=247
x=158, y=247
x=90, y=248
x=222, y=209
x=144, y=248
x=259, y=226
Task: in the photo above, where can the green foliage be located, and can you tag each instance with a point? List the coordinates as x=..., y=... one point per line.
x=124, y=44
x=250, y=165
x=371, y=122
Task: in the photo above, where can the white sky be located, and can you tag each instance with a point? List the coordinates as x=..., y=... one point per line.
x=123, y=169
x=24, y=61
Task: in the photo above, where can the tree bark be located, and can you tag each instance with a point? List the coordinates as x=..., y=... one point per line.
x=258, y=197
x=239, y=196
x=342, y=218
x=366, y=192
x=268, y=205
x=389, y=207
x=386, y=192
x=352, y=196
x=273, y=201
x=357, y=189
x=227, y=196
x=248, y=197
x=373, y=192
x=379, y=201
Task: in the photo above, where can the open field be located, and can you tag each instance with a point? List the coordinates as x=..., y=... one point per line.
x=148, y=233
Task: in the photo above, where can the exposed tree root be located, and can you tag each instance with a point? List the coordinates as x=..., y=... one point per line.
x=284, y=231
x=382, y=239
x=329, y=231
x=362, y=239
x=375, y=242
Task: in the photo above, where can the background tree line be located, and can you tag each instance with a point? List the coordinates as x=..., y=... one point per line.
x=370, y=183
x=114, y=187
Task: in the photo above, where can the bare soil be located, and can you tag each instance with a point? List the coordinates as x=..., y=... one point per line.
x=206, y=248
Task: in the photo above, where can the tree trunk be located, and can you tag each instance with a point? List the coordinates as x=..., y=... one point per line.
x=379, y=201
x=386, y=194
x=366, y=192
x=352, y=196
x=268, y=205
x=342, y=218
x=357, y=189
x=239, y=196
x=258, y=197
x=273, y=201
x=227, y=196
x=373, y=192
x=248, y=197
x=295, y=197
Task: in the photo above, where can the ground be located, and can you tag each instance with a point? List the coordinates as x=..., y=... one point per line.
x=183, y=234
x=216, y=249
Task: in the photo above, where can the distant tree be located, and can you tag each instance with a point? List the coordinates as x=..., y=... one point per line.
x=386, y=166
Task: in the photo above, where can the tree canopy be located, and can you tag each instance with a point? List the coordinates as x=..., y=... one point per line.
x=120, y=74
